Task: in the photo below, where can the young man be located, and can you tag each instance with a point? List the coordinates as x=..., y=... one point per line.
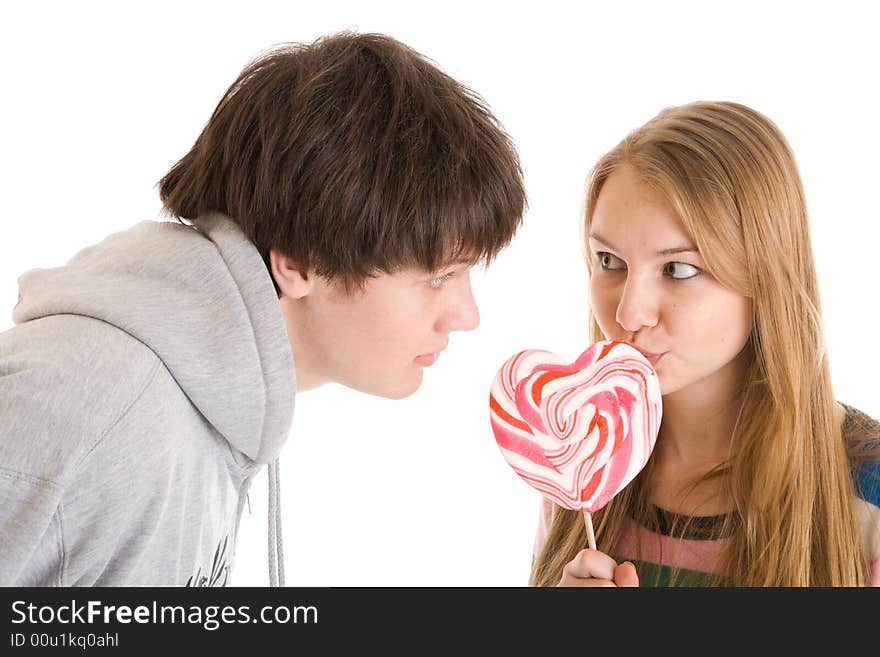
x=328, y=216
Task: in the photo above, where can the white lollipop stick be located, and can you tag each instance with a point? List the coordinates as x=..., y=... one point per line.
x=591, y=536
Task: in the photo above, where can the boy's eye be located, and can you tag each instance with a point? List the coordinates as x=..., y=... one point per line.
x=680, y=270
x=440, y=280
x=609, y=261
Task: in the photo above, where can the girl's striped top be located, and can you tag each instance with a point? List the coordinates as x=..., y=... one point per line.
x=687, y=551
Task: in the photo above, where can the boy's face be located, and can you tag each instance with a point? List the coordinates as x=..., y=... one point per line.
x=379, y=339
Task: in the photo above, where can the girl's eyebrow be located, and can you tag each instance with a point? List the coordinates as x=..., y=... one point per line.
x=664, y=252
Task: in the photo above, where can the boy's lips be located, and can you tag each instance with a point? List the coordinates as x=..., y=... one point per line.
x=427, y=360
x=430, y=358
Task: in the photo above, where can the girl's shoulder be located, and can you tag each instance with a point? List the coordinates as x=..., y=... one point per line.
x=859, y=424
x=861, y=432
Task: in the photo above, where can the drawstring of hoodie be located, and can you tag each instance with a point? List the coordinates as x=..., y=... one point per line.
x=276, y=551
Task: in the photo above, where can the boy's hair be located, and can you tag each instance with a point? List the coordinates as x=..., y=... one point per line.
x=354, y=155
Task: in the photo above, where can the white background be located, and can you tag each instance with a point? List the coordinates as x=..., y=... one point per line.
x=100, y=99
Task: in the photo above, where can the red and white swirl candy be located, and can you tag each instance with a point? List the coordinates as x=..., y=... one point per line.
x=577, y=432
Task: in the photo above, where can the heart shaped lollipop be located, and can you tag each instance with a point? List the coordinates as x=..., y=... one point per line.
x=577, y=432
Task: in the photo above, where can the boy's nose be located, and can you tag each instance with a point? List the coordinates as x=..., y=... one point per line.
x=462, y=313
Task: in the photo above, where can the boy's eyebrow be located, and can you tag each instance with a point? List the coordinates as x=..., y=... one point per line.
x=670, y=251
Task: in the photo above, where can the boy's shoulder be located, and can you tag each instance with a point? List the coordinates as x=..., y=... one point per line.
x=64, y=380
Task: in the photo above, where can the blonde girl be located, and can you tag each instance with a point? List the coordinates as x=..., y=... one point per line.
x=699, y=255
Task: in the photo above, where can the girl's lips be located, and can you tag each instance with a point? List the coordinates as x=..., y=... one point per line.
x=652, y=357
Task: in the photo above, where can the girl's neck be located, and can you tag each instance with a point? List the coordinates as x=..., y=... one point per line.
x=699, y=420
x=695, y=437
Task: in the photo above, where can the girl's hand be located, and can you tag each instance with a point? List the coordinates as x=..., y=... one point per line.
x=594, y=568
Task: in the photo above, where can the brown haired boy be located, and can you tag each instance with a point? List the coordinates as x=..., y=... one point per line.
x=327, y=219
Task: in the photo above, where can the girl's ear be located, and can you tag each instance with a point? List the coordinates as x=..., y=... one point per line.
x=293, y=280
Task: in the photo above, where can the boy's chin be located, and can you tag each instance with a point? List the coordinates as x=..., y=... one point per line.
x=399, y=389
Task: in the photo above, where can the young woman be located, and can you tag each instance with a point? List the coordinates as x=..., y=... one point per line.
x=699, y=255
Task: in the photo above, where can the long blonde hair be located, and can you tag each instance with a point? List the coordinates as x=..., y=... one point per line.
x=731, y=176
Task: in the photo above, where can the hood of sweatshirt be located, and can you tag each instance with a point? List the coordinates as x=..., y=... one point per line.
x=201, y=299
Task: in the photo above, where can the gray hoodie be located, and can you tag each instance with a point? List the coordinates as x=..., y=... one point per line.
x=143, y=387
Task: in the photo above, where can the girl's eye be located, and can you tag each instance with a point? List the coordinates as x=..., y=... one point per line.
x=680, y=270
x=440, y=280
x=608, y=261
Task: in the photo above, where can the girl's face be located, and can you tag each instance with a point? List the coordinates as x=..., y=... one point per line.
x=649, y=287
